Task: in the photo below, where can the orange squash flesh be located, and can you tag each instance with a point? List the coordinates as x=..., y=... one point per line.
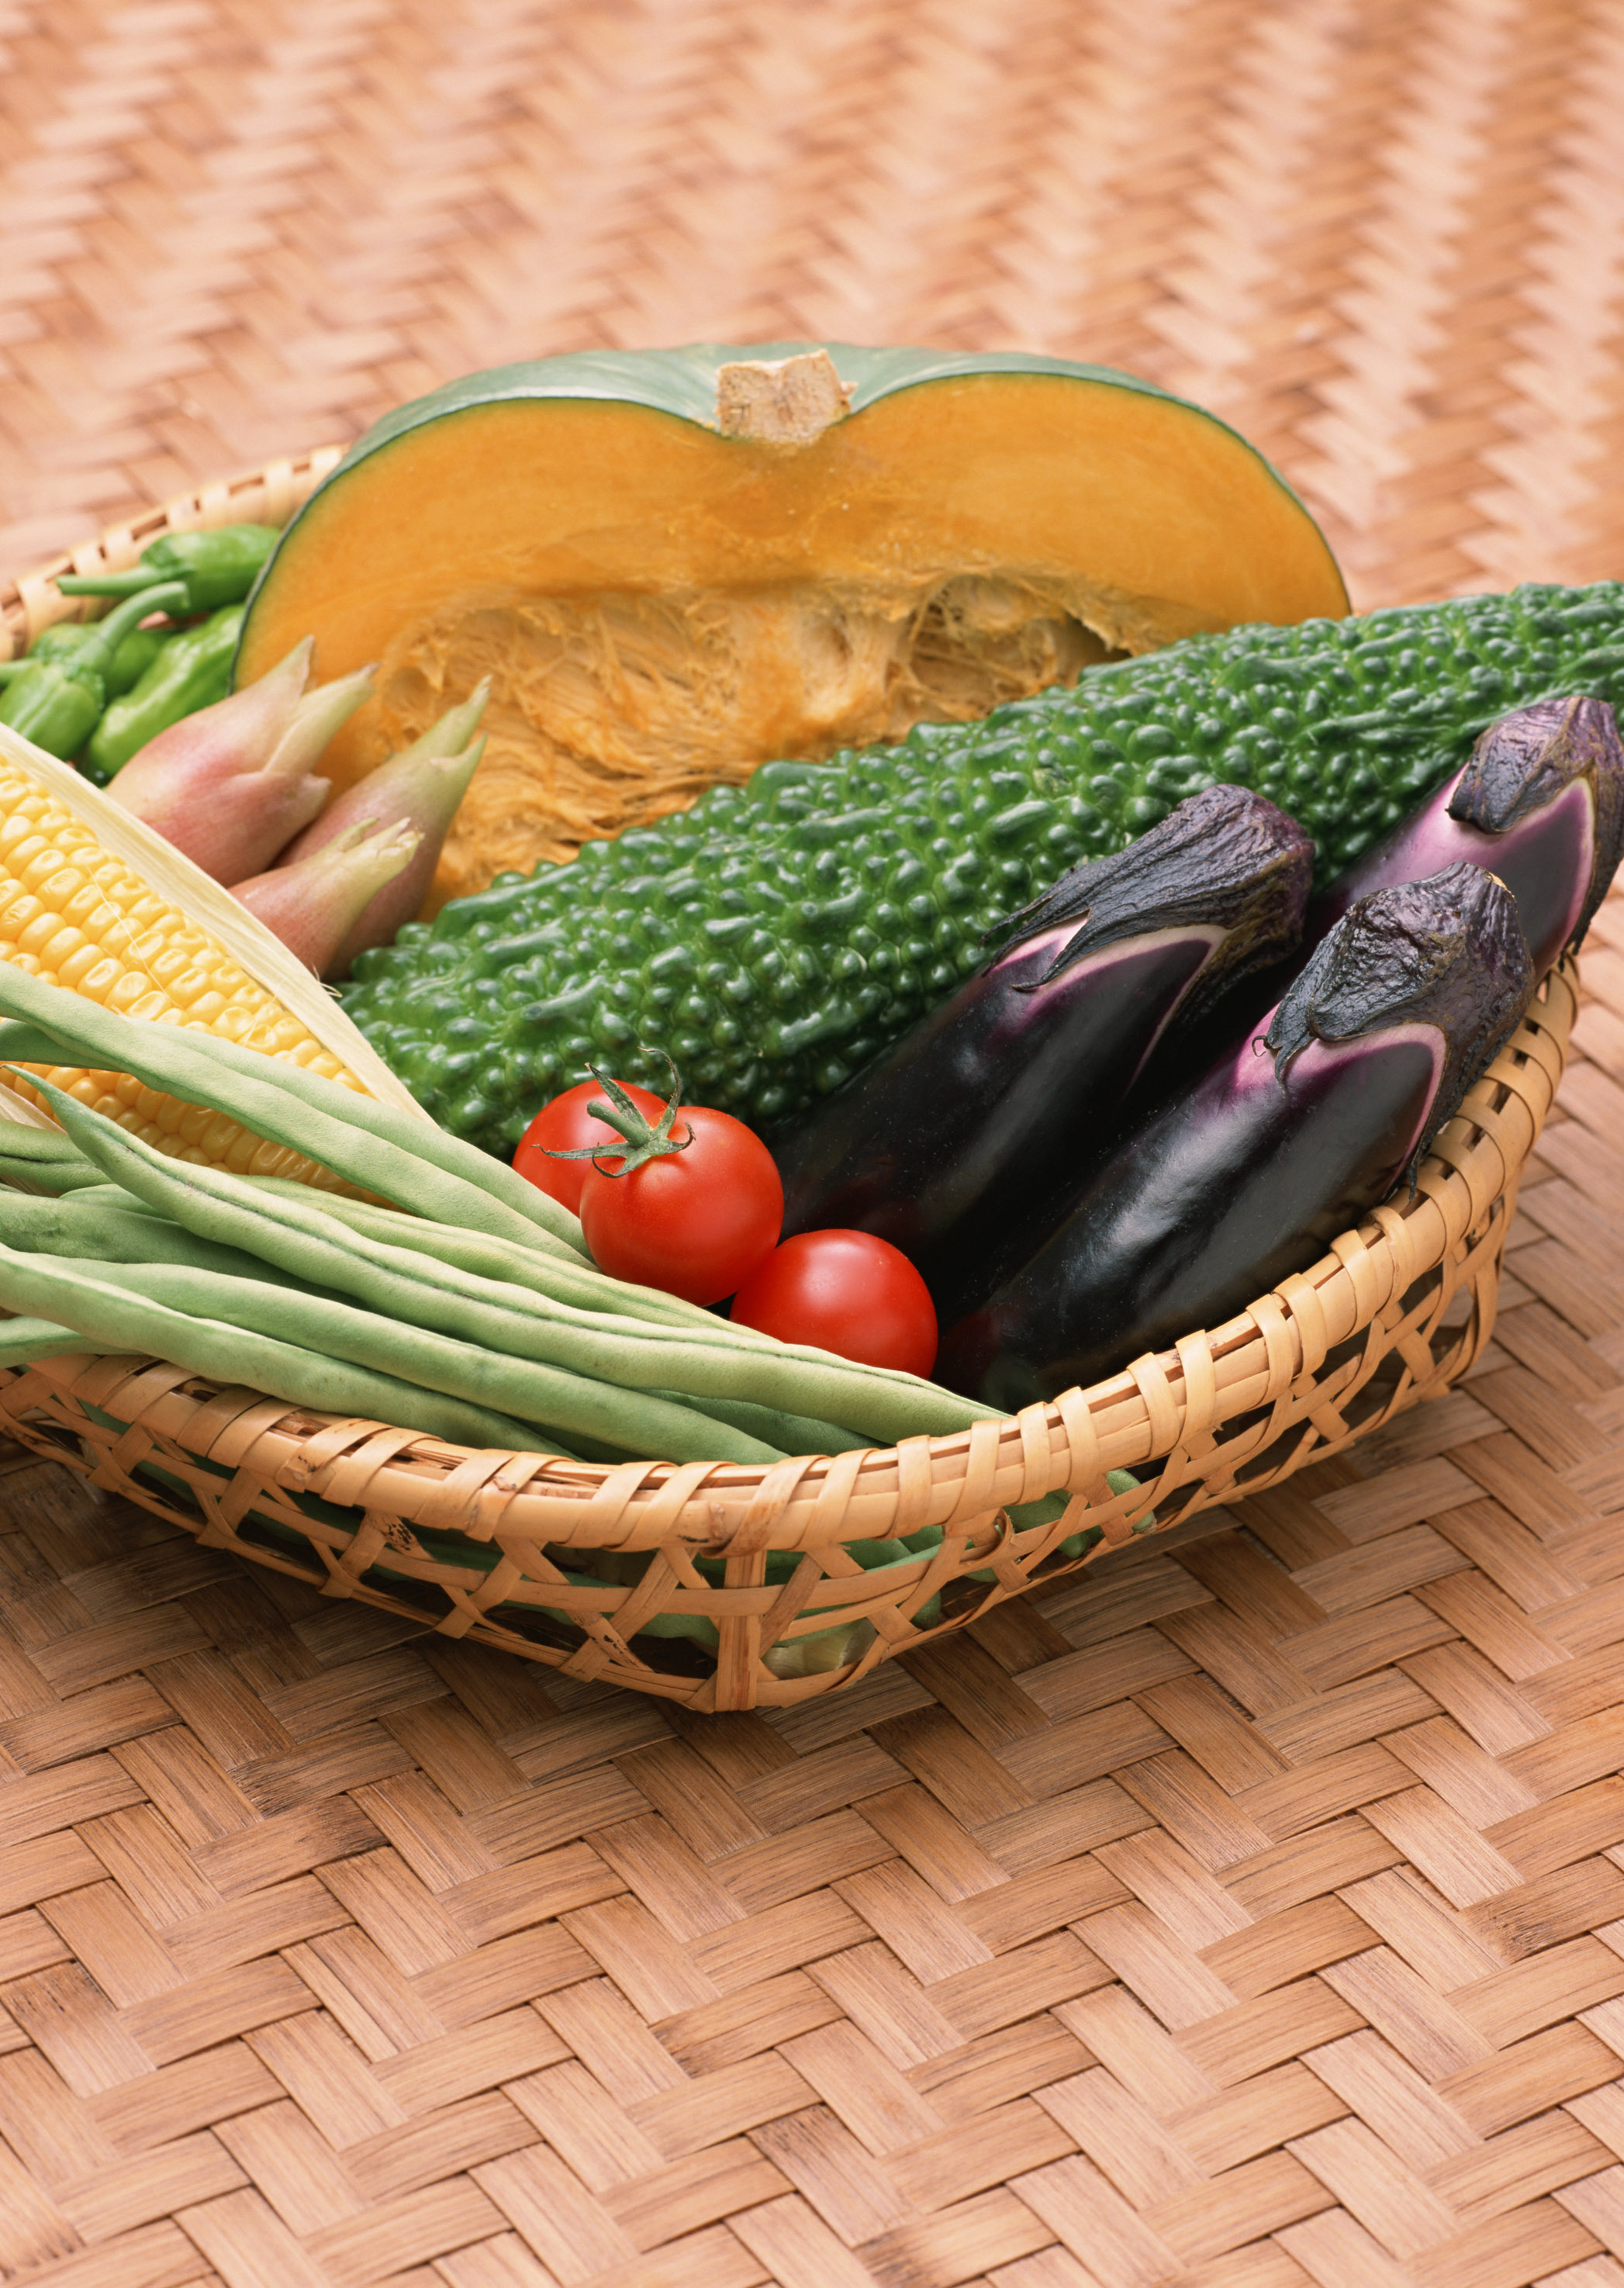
x=661, y=606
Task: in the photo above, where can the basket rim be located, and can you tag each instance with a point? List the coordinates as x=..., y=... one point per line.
x=1166, y=1404
x=1163, y=1404
x=31, y=601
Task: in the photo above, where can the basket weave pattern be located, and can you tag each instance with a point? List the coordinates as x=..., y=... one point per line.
x=1245, y=1911
x=1241, y=1913
x=270, y=496
x=1397, y=1311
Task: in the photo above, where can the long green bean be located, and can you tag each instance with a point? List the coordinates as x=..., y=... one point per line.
x=508, y=1263
x=90, y=1226
x=43, y=1159
x=116, y=1316
x=791, y=1434
x=583, y=1407
x=888, y=1406
x=580, y=1285
x=190, y=1063
x=370, y=1144
x=104, y=1193
x=590, y=1346
x=549, y=1281
x=24, y=1342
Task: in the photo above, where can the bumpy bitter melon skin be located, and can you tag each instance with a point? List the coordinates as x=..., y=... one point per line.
x=776, y=936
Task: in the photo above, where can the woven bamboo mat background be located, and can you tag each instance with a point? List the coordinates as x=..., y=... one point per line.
x=1250, y=1915
x=1384, y=237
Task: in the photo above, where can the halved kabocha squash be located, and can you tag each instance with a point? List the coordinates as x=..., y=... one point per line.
x=674, y=564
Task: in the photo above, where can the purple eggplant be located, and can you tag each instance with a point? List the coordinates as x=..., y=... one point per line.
x=1540, y=803
x=1289, y=1138
x=1012, y=1088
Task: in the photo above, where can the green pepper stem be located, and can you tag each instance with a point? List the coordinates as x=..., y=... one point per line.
x=110, y=633
x=133, y=582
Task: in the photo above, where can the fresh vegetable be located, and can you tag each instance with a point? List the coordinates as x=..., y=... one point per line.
x=778, y=937
x=675, y=564
x=374, y=1145
x=538, y=1306
x=1002, y=1096
x=568, y=1126
x=104, y=1224
x=231, y=785
x=105, y=1315
x=40, y=1160
x=1540, y=803
x=24, y=1342
x=1285, y=1144
x=692, y=1203
x=561, y=1275
x=631, y=1379
x=214, y=568
x=312, y=906
x=110, y=1268
x=846, y=1292
x=56, y=702
x=191, y=672
x=65, y=640
x=601, y=1421
x=95, y=901
x=420, y=790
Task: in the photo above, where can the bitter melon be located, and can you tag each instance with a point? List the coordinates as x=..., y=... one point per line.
x=777, y=935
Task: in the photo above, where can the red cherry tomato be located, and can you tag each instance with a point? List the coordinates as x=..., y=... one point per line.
x=565, y=1125
x=695, y=1223
x=847, y=1292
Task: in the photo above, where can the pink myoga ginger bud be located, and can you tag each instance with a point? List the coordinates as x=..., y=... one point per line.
x=233, y=784
x=312, y=906
x=420, y=787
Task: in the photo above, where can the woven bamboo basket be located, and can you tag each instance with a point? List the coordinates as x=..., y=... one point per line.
x=726, y=1586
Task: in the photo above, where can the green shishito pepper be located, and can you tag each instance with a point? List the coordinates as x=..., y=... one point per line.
x=191, y=670
x=58, y=703
x=213, y=567
x=128, y=665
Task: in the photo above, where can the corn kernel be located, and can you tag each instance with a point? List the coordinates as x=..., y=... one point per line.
x=59, y=948
x=74, y=914
x=72, y=971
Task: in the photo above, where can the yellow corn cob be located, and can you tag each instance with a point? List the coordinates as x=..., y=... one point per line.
x=122, y=926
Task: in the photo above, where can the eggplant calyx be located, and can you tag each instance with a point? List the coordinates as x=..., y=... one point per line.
x=1226, y=855
x=1448, y=952
x=644, y=1139
x=1528, y=759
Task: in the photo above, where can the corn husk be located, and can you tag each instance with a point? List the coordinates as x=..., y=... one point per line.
x=209, y=908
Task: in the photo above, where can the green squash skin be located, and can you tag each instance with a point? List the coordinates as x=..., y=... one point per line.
x=776, y=936
x=683, y=384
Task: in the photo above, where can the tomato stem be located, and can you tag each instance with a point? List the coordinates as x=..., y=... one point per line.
x=644, y=1140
